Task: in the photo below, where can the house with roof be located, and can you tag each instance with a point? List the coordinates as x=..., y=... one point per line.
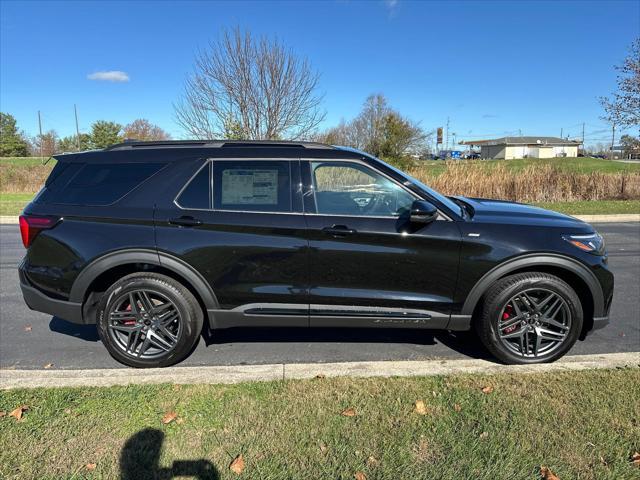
x=525, y=147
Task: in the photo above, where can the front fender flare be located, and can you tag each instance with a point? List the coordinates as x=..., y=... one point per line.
x=533, y=260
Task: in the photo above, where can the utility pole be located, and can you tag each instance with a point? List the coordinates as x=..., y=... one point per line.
x=75, y=110
x=583, y=149
x=613, y=140
x=447, y=139
x=561, y=131
x=40, y=129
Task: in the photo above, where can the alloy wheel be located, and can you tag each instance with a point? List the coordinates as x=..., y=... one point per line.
x=144, y=324
x=534, y=322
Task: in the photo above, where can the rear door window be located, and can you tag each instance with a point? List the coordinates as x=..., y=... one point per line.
x=262, y=186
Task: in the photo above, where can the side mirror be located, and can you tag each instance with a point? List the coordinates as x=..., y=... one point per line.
x=423, y=212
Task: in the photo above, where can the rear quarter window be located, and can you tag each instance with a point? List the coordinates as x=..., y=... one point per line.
x=94, y=184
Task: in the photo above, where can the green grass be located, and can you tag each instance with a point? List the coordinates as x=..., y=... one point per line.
x=569, y=164
x=581, y=424
x=13, y=203
x=26, y=161
x=600, y=207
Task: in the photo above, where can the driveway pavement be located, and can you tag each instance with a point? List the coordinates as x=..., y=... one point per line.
x=30, y=340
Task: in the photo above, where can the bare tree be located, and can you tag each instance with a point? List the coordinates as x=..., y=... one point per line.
x=380, y=130
x=143, y=129
x=253, y=89
x=623, y=107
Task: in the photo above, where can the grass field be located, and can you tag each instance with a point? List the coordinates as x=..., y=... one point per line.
x=570, y=165
x=582, y=425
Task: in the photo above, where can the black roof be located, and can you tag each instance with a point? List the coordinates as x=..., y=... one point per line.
x=135, y=144
x=176, y=150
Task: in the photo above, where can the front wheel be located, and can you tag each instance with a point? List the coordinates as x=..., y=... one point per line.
x=149, y=320
x=530, y=318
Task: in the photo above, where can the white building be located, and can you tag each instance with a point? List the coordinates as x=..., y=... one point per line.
x=526, y=147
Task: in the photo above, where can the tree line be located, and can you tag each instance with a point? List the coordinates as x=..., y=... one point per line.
x=15, y=143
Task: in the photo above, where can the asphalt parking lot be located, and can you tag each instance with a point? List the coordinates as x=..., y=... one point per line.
x=31, y=340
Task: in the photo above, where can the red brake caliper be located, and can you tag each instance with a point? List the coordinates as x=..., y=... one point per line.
x=129, y=322
x=508, y=313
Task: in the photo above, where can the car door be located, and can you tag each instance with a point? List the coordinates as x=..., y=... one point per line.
x=239, y=223
x=368, y=265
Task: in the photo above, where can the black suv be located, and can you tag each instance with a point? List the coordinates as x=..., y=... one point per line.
x=153, y=241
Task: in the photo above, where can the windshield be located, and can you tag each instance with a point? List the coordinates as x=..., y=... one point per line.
x=447, y=202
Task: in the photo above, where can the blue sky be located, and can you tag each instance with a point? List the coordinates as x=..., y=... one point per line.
x=493, y=67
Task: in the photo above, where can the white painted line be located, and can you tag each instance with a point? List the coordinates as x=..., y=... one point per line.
x=252, y=373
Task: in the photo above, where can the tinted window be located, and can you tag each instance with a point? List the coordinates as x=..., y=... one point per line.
x=356, y=190
x=263, y=186
x=197, y=194
x=96, y=184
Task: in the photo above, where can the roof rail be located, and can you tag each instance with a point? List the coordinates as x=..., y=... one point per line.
x=135, y=144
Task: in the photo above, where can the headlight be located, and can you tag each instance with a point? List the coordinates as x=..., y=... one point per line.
x=592, y=243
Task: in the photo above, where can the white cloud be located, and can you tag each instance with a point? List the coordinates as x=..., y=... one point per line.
x=391, y=4
x=109, y=76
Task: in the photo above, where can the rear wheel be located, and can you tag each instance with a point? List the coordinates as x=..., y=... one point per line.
x=149, y=320
x=530, y=318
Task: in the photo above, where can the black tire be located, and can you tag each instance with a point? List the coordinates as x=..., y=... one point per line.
x=186, y=326
x=501, y=296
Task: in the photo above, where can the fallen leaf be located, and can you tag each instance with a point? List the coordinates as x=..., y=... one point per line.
x=48, y=365
x=67, y=411
x=349, y=412
x=237, y=466
x=547, y=474
x=457, y=407
x=179, y=420
x=27, y=328
x=635, y=459
x=484, y=435
x=373, y=461
x=421, y=408
x=488, y=389
x=603, y=461
x=359, y=476
x=169, y=417
x=323, y=447
x=17, y=413
x=90, y=466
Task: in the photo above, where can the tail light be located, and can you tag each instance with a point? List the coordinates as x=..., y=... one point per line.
x=32, y=225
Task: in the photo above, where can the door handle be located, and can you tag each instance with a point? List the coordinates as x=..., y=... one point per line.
x=338, y=230
x=185, y=222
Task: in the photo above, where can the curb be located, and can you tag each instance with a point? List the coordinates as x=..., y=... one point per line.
x=626, y=217
x=261, y=373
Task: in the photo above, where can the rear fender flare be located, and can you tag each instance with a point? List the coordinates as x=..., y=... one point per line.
x=123, y=257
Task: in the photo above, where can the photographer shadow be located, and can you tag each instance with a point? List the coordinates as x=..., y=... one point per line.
x=140, y=456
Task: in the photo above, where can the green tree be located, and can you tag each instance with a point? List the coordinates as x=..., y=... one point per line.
x=630, y=145
x=400, y=137
x=104, y=134
x=12, y=141
x=70, y=143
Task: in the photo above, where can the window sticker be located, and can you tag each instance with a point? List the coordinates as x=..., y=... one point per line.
x=250, y=187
